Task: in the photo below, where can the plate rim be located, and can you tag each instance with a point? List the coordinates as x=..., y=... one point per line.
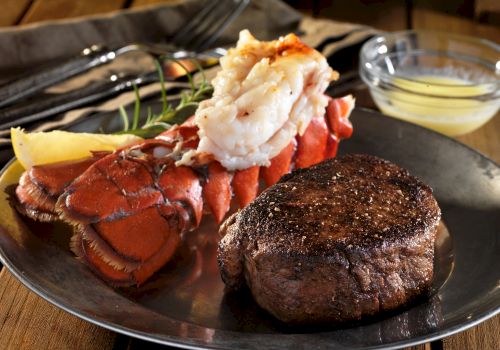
x=52, y=297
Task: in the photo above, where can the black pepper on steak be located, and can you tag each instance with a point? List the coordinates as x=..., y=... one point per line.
x=347, y=238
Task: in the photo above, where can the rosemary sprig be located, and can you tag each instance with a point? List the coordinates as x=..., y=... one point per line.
x=170, y=115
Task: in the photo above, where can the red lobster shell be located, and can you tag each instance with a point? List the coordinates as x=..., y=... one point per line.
x=131, y=207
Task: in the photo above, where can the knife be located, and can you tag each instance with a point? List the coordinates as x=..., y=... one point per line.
x=52, y=104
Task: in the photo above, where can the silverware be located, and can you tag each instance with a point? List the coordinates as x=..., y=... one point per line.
x=192, y=39
x=343, y=60
x=41, y=108
x=50, y=105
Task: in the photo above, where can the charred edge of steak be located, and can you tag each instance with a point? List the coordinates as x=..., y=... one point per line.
x=230, y=254
x=346, y=286
x=347, y=238
x=355, y=200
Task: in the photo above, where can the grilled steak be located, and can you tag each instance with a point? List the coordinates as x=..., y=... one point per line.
x=347, y=238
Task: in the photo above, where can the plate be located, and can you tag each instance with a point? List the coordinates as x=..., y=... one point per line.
x=186, y=307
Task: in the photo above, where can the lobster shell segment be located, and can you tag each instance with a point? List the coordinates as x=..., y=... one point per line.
x=181, y=184
x=311, y=147
x=33, y=202
x=40, y=187
x=280, y=165
x=130, y=210
x=217, y=190
x=246, y=185
x=129, y=250
x=338, y=111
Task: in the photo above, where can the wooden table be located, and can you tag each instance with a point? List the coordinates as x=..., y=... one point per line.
x=29, y=322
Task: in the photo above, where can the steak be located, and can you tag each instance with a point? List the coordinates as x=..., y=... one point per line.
x=345, y=239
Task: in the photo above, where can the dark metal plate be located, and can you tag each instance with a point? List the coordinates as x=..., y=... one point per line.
x=184, y=304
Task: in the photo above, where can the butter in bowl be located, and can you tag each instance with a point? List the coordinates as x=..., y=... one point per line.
x=445, y=82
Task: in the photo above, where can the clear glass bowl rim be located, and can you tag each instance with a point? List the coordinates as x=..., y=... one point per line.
x=492, y=88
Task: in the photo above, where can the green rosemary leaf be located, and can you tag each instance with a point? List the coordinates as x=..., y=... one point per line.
x=149, y=116
x=137, y=108
x=202, y=72
x=162, y=85
x=148, y=132
x=124, y=116
x=187, y=105
x=170, y=115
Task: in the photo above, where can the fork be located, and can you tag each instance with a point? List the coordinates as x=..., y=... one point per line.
x=189, y=42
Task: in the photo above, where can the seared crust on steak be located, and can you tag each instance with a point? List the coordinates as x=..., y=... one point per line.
x=347, y=238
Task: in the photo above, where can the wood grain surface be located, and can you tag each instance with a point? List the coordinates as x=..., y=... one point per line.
x=29, y=322
x=13, y=11
x=42, y=10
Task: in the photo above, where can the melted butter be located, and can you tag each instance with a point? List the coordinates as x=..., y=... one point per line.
x=440, y=103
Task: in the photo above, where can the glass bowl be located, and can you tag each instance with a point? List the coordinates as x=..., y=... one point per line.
x=446, y=82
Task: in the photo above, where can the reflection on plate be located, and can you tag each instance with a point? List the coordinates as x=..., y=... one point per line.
x=180, y=308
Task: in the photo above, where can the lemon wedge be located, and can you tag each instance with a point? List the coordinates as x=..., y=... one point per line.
x=55, y=146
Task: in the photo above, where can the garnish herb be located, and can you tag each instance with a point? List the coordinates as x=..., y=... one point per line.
x=157, y=123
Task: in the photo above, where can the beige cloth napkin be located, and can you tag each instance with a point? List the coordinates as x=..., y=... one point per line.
x=263, y=18
x=31, y=45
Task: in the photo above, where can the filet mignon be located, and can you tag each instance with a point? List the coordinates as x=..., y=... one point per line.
x=347, y=238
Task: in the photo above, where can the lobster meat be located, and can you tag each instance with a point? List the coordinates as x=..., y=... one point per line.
x=131, y=208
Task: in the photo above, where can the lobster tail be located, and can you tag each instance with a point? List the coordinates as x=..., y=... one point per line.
x=131, y=208
x=127, y=227
x=129, y=250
